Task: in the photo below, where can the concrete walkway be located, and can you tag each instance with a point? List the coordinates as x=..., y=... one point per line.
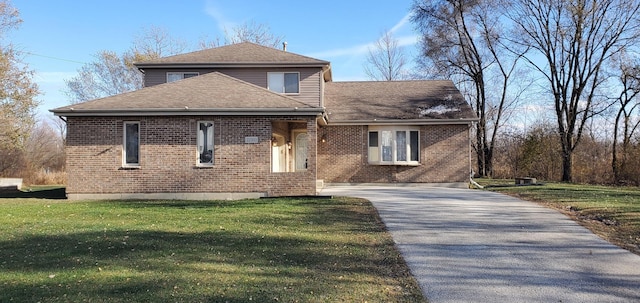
x=475, y=246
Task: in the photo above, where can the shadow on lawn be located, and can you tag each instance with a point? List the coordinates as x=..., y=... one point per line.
x=56, y=193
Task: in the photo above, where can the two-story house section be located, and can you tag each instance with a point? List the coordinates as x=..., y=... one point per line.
x=246, y=120
x=280, y=71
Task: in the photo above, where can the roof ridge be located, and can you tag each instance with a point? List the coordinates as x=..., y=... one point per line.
x=283, y=51
x=237, y=53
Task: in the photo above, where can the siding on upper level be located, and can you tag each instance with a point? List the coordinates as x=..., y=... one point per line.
x=310, y=79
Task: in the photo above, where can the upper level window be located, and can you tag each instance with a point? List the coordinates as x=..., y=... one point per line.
x=394, y=145
x=205, y=143
x=284, y=83
x=131, y=144
x=173, y=76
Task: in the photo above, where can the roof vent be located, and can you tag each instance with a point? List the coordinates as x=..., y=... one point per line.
x=284, y=46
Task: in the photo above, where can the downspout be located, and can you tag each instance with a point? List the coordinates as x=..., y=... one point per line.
x=474, y=183
x=471, y=181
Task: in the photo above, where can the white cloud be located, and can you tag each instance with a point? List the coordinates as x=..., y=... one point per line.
x=214, y=12
x=362, y=49
x=53, y=77
x=401, y=23
x=408, y=40
x=339, y=52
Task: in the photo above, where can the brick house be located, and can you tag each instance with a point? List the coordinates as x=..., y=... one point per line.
x=244, y=120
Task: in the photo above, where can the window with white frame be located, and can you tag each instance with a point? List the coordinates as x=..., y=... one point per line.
x=131, y=144
x=391, y=145
x=175, y=76
x=205, y=143
x=284, y=83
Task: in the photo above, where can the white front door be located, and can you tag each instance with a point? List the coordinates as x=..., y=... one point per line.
x=278, y=155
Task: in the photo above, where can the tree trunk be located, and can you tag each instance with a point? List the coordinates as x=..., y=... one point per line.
x=488, y=161
x=614, y=153
x=567, y=159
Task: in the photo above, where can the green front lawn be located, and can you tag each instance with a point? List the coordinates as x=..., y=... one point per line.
x=611, y=212
x=272, y=250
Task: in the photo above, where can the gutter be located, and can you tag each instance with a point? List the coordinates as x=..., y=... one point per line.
x=463, y=121
x=230, y=65
x=186, y=111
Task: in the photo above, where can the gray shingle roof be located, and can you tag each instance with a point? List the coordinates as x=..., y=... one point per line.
x=395, y=100
x=212, y=91
x=235, y=54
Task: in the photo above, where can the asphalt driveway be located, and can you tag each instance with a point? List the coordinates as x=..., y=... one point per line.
x=475, y=246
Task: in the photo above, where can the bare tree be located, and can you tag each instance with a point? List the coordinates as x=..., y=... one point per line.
x=386, y=60
x=628, y=106
x=17, y=96
x=463, y=39
x=112, y=73
x=60, y=127
x=154, y=42
x=571, y=42
x=249, y=31
x=45, y=149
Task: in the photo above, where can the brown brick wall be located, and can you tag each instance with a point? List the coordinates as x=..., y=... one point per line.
x=168, y=157
x=444, y=157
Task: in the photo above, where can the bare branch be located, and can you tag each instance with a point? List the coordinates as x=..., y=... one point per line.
x=386, y=60
x=249, y=31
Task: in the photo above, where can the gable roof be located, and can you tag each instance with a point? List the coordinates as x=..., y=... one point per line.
x=245, y=53
x=373, y=102
x=212, y=93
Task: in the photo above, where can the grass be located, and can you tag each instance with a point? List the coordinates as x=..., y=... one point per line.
x=275, y=250
x=613, y=213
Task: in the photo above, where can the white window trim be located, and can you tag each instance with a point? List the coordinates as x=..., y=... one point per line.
x=285, y=93
x=393, y=130
x=181, y=75
x=124, y=144
x=213, y=146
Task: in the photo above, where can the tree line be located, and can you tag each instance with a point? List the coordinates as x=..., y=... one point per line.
x=570, y=68
x=576, y=58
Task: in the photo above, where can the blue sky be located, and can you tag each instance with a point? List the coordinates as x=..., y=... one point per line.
x=60, y=36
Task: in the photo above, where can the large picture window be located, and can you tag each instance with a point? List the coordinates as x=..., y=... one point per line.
x=284, y=83
x=205, y=143
x=394, y=145
x=131, y=144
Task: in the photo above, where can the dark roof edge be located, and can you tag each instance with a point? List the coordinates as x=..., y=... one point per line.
x=403, y=122
x=223, y=65
x=193, y=112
